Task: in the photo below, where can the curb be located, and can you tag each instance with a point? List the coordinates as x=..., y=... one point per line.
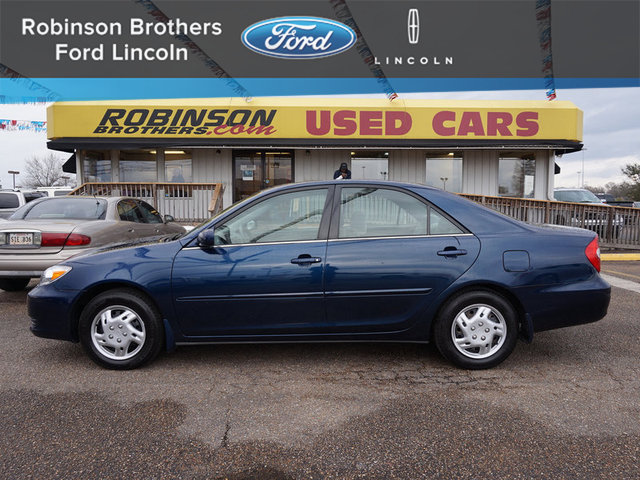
x=619, y=257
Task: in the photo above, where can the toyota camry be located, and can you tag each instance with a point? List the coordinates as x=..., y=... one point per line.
x=330, y=261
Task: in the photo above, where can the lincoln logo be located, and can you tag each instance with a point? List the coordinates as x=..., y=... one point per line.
x=298, y=37
x=413, y=26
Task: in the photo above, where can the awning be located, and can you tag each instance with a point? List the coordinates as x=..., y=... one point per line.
x=316, y=122
x=70, y=165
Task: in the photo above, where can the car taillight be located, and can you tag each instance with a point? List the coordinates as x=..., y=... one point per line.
x=76, y=240
x=64, y=239
x=53, y=239
x=593, y=253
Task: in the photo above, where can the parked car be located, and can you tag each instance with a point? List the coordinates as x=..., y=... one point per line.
x=11, y=200
x=330, y=261
x=51, y=229
x=596, y=219
x=611, y=200
x=575, y=195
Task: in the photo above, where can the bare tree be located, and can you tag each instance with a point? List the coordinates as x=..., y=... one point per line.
x=43, y=171
x=632, y=171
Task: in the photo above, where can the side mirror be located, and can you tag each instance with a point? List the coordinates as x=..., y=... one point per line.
x=207, y=238
x=169, y=218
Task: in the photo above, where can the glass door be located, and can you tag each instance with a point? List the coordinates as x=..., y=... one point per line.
x=255, y=170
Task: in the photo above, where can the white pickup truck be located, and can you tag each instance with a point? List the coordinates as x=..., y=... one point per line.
x=11, y=200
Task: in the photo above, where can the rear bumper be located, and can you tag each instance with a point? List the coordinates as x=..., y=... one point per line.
x=50, y=311
x=31, y=265
x=568, y=305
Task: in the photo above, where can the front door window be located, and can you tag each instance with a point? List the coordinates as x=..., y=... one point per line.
x=256, y=170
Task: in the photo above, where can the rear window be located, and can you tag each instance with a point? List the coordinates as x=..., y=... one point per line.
x=9, y=200
x=30, y=196
x=76, y=208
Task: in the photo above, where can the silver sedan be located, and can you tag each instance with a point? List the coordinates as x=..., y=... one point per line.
x=50, y=230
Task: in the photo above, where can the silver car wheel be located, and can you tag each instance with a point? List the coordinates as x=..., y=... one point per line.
x=118, y=333
x=479, y=331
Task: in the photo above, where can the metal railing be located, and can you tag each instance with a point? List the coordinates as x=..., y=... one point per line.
x=186, y=202
x=617, y=227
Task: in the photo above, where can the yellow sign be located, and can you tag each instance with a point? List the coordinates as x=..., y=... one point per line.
x=211, y=119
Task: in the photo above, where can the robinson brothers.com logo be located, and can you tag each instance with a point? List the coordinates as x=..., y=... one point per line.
x=298, y=37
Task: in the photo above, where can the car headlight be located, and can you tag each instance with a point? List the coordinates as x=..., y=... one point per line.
x=52, y=274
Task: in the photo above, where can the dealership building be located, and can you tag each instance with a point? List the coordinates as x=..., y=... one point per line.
x=496, y=148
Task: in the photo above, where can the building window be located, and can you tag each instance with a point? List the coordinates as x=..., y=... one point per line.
x=138, y=166
x=367, y=165
x=516, y=177
x=96, y=166
x=444, y=172
x=177, y=166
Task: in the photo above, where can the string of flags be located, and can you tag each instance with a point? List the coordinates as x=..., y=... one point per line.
x=7, y=125
x=195, y=50
x=343, y=14
x=543, y=20
x=37, y=93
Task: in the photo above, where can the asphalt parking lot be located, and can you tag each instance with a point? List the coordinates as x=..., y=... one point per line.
x=566, y=406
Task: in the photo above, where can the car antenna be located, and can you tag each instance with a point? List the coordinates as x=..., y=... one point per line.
x=96, y=199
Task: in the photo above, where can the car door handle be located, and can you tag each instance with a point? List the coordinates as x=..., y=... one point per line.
x=305, y=259
x=451, y=252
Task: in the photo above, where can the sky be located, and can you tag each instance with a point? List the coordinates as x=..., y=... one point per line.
x=611, y=132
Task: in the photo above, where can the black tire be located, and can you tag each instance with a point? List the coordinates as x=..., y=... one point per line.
x=14, y=284
x=129, y=319
x=487, y=335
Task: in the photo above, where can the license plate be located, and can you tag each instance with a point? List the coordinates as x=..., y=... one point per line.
x=21, y=239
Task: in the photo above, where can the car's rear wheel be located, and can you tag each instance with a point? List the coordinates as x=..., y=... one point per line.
x=476, y=329
x=14, y=284
x=121, y=329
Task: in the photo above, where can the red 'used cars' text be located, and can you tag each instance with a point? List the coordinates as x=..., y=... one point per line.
x=491, y=124
x=364, y=122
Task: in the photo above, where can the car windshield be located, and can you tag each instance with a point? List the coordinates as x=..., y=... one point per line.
x=66, y=208
x=576, y=196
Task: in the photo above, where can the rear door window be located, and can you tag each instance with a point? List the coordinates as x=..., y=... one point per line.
x=128, y=211
x=380, y=212
x=148, y=213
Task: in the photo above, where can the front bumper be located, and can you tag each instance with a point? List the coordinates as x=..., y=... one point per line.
x=50, y=310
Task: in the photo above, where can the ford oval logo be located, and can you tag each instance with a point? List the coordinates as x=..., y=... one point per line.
x=298, y=37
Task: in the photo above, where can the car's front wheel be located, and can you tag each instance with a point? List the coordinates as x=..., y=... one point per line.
x=476, y=329
x=121, y=329
x=14, y=284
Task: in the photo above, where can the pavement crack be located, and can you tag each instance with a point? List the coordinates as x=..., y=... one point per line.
x=227, y=427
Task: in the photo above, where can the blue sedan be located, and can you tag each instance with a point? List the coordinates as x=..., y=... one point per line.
x=330, y=261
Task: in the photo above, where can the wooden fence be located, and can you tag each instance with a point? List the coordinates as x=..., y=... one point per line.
x=617, y=227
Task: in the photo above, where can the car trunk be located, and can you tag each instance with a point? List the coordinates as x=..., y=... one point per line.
x=27, y=237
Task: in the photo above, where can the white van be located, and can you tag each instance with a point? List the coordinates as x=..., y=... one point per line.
x=55, y=191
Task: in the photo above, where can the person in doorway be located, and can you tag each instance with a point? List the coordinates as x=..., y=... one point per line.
x=343, y=173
